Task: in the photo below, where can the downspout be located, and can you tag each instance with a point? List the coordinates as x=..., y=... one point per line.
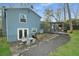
x=4, y=21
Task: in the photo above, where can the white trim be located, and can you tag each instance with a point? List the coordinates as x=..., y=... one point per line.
x=23, y=32
x=6, y=26
x=25, y=17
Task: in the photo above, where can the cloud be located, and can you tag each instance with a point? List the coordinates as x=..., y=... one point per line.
x=46, y=4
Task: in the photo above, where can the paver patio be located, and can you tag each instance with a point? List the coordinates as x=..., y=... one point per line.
x=44, y=47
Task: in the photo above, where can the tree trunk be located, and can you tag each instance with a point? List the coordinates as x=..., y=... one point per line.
x=64, y=17
x=69, y=15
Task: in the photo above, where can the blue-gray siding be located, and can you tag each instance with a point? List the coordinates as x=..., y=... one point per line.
x=12, y=21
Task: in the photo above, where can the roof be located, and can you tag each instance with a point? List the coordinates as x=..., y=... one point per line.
x=35, y=13
x=15, y=5
x=18, y=5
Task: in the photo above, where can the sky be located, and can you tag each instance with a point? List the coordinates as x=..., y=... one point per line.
x=40, y=7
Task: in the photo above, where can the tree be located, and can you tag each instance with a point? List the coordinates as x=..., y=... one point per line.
x=55, y=15
x=47, y=20
x=69, y=15
x=64, y=17
x=75, y=12
x=64, y=13
x=58, y=14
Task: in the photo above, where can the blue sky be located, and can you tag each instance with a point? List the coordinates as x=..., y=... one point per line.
x=40, y=7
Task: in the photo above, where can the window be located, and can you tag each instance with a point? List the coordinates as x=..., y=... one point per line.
x=20, y=34
x=23, y=18
x=25, y=33
x=34, y=30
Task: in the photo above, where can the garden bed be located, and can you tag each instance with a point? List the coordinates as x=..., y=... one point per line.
x=46, y=36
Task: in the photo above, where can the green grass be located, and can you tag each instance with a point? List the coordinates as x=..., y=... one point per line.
x=69, y=49
x=4, y=47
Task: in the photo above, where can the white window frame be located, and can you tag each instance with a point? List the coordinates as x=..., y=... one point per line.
x=34, y=29
x=23, y=32
x=20, y=17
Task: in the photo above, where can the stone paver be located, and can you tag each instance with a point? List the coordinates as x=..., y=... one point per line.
x=18, y=47
x=46, y=46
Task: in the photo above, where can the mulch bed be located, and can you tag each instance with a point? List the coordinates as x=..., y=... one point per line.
x=45, y=36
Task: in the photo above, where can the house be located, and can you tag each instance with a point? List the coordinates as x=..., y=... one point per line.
x=56, y=26
x=53, y=28
x=20, y=23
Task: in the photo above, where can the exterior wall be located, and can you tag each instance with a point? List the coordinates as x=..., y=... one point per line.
x=12, y=21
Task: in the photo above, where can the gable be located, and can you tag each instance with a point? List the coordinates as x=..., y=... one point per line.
x=29, y=10
x=23, y=10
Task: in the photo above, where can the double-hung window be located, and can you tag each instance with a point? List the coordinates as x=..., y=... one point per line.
x=23, y=18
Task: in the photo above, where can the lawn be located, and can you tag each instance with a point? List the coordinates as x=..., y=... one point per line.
x=69, y=49
x=4, y=47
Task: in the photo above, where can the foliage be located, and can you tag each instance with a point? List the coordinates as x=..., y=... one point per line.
x=75, y=23
x=46, y=26
x=4, y=47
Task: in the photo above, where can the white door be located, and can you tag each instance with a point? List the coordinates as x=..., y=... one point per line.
x=22, y=33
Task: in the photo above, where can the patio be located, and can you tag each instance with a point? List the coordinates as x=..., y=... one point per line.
x=18, y=47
